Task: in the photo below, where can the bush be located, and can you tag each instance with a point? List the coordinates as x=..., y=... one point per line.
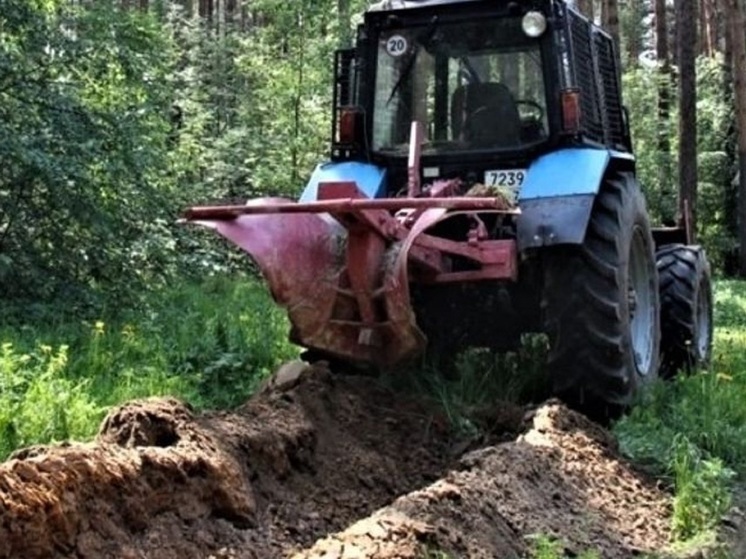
x=209, y=344
x=37, y=403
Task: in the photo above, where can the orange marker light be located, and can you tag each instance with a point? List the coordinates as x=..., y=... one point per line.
x=347, y=123
x=570, y=99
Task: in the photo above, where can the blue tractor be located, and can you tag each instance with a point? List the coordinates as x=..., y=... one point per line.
x=481, y=186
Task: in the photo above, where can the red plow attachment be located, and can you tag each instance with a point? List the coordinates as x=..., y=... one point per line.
x=342, y=265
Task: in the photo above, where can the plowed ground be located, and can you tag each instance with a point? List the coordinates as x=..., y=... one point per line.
x=317, y=465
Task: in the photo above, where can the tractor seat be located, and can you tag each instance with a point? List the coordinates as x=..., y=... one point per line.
x=485, y=115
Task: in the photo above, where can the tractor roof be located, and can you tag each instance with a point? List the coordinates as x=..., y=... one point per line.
x=386, y=5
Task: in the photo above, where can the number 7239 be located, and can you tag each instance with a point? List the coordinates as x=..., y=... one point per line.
x=508, y=178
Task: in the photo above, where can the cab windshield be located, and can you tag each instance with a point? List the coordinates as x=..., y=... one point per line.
x=472, y=86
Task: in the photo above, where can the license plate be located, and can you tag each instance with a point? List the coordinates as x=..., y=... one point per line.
x=506, y=178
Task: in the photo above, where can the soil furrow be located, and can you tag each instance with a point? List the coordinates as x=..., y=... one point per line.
x=317, y=465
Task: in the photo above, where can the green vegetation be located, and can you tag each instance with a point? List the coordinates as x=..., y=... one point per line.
x=544, y=547
x=38, y=403
x=464, y=390
x=702, y=495
x=716, y=191
x=208, y=344
x=113, y=120
x=212, y=344
x=83, y=107
x=434, y=553
x=478, y=378
x=692, y=431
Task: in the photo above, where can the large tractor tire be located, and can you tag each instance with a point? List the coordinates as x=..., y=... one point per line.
x=686, y=308
x=601, y=305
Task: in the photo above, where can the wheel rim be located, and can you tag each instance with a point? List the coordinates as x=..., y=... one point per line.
x=641, y=303
x=702, y=321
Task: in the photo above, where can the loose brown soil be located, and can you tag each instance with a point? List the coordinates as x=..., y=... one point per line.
x=317, y=465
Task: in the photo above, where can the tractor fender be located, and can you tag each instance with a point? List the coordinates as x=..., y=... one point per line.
x=557, y=195
x=370, y=179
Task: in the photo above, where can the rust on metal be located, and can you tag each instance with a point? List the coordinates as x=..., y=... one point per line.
x=341, y=266
x=331, y=206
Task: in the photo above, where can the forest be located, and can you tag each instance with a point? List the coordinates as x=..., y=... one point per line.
x=117, y=115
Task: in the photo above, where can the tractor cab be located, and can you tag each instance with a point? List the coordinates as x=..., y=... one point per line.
x=473, y=86
x=491, y=85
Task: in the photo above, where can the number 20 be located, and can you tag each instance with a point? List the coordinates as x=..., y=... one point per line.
x=396, y=45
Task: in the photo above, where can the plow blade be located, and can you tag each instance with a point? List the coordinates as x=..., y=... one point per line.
x=340, y=266
x=302, y=258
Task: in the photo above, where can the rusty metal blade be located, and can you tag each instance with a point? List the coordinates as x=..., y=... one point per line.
x=304, y=260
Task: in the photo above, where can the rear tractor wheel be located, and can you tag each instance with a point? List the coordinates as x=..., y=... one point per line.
x=601, y=305
x=686, y=308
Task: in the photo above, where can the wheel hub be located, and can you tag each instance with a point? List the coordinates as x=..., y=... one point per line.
x=632, y=302
x=640, y=301
x=702, y=335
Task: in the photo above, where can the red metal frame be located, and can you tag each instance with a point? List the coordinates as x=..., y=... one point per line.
x=355, y=303
x=348, y=205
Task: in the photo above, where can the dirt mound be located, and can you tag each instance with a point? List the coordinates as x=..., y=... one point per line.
x=292, y=465
x=562, y=479
x=304, y=461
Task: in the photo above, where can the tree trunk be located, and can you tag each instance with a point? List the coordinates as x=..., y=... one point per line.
x=206, y=10
x=686, y=31
x=731, y=264
x=345, y=23
x=300, y=84
x=661, y=33
x=710, y=29
x=611, y=20
x=231, y=9
x=220, y=14
x=666, y=202
x=734, y=16
x=633, y=32
x=702, y=29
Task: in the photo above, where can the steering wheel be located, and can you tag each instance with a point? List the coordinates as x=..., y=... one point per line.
x=534, y=106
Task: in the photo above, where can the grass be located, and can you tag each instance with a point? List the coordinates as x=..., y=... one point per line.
x=38, y=403
x=208, y=344
x=481, y=379
x=434, y=553
x=544, y=547
x=212, y=344
x=692, y=431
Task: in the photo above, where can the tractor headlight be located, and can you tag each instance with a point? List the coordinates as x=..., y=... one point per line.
x=534, y=24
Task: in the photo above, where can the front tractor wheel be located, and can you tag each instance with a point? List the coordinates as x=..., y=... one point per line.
x=686, y=308
x=601, y=305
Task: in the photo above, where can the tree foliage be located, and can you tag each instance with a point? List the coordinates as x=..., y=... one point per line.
x=83, y=123
x=114, y=118
x=255, y=102
x=116, y=115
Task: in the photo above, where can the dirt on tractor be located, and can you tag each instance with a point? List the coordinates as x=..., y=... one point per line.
x=322, y=465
